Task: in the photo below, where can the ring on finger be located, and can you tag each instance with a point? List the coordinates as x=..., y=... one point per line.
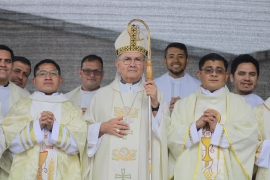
x=117, y=130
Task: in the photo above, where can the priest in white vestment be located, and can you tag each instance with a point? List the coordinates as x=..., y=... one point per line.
x=176, y=84
x=118, y=118
x=213, y=133
x=9, y=95
x=45, y=133
x=91, y=74
x=245, y=71
x=262, y=113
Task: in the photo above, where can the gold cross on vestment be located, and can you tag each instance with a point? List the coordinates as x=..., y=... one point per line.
x=123, y=176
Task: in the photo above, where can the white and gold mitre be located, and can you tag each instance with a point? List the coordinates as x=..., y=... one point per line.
x=131, y=40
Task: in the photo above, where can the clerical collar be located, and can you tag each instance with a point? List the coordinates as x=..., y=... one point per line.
x=123, y=82
x=6, y=85
x=42, y=93
x=128, y=87
x=209, y=93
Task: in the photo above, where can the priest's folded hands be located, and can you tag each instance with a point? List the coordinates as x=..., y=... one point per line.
x=46, y=120
x=114, y=126
x=209, y=116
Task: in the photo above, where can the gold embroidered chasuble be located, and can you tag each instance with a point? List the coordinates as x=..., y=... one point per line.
x=262, y=113
x=239, y=127
x=127, y=158
x=25, y=165
x=16, y=93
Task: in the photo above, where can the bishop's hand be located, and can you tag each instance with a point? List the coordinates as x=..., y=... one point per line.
x=114, y=126
x=152, y=91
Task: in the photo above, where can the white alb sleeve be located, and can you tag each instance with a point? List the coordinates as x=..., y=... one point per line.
x=62, y=138
x=194, y=135
x=218, y=138
x=156, y=122
x=93, y=141
x=264, y=159
x=31, y=135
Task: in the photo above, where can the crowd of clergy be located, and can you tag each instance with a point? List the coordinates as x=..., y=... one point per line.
x=173, y=127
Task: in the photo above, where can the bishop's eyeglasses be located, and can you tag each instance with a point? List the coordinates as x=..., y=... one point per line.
x=88, y=72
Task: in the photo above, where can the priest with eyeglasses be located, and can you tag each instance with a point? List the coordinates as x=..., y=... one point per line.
x=45, y=132
x=118, y=118
x=213, y=133
x=91, y=74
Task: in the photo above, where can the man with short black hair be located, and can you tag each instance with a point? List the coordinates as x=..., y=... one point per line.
x=45, y=132
x=215, y=131
x=176, y=84
x=91, y=74
x=245, y=71
x=21, y=71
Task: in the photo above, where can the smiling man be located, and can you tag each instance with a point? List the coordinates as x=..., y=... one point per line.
x=176, y=84
x=21, y=71
x=215, y=131
x=91, y=74
x=45, y=132
x=9, y=95
x=245, y=71
x=118, y=118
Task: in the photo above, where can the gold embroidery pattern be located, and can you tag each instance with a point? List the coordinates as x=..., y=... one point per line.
x=124, y=154
x=134, y=33
x=51, y=170
x=123, y=175
x=118, y=112
x=42, y=158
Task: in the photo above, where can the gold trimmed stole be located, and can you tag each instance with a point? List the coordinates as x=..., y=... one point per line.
x=48, y=152
x=212, y=162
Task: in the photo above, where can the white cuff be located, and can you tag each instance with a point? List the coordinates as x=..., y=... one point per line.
x=194, y=135
x=264, y=159
x=38, y=132
x=55, y=132
x=219, y=138
x=156, y=122
x=93, y=141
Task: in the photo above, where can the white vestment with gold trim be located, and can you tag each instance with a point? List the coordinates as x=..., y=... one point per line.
x=127, y=158
x=227, y=153
x=262, y=113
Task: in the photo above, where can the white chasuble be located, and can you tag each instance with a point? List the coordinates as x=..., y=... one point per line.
x=48, y=152
x=262, y=113
x=124, y=152
x=212, y=157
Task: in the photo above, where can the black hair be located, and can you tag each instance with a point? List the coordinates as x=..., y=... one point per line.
x=176, y=45
x=36, y=68
x=212, y=57
x=4, y=47
x=23, y=60
x=244, y=58
x=92, y=57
